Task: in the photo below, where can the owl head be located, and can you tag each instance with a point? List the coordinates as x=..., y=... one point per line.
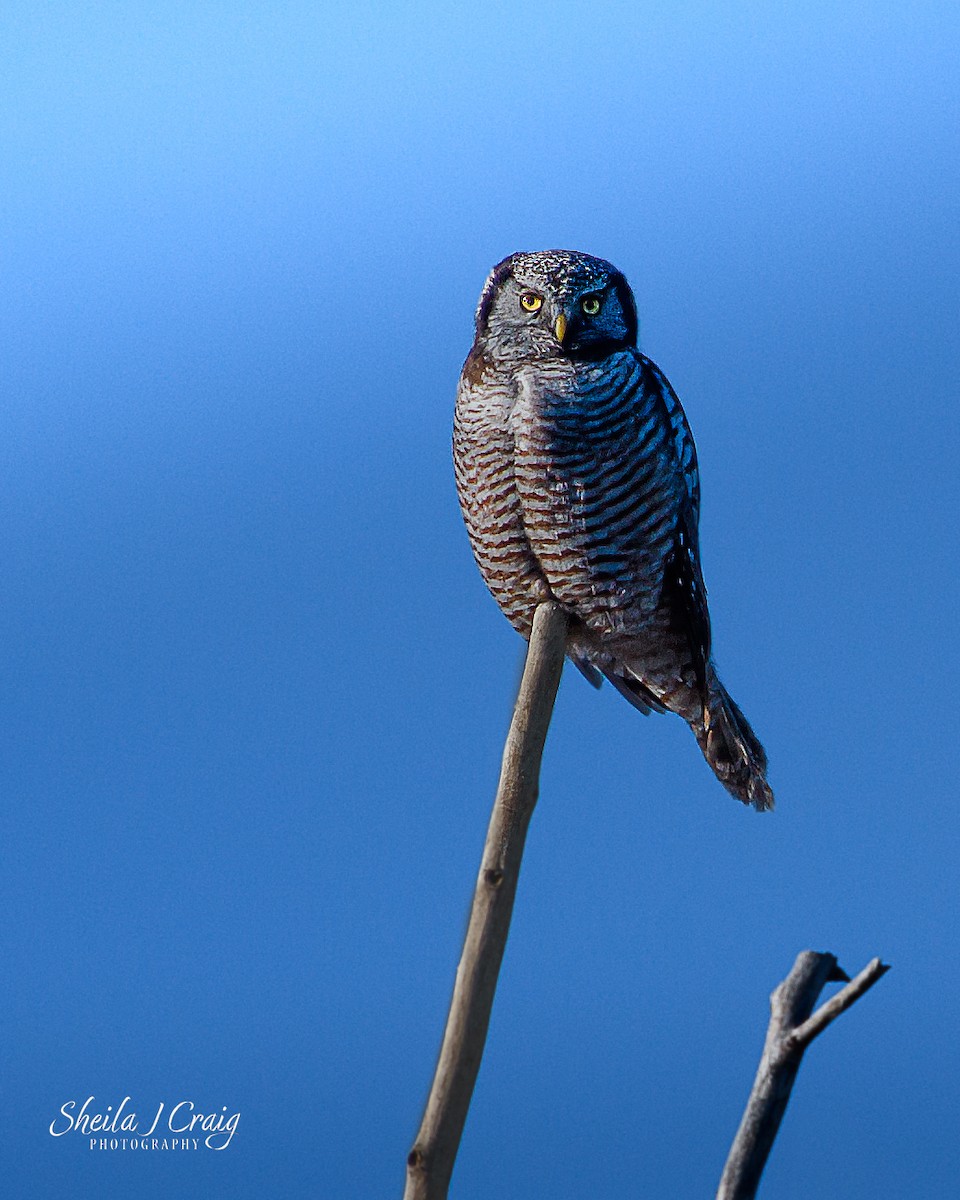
x=555, y=303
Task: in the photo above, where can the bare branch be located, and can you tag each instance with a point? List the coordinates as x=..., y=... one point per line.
x=790, y=1031
x=804, y=1034
x=430, y=1162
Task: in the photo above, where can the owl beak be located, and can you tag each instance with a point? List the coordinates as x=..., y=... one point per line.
x=560, y=328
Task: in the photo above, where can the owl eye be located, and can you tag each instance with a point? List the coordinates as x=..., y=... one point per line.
x=590, y=305
x=530, y=301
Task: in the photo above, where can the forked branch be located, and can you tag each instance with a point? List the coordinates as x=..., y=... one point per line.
x=791, y=1030
x=430, y=1162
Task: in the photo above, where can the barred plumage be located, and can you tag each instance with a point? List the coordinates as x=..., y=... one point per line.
x=577, y=476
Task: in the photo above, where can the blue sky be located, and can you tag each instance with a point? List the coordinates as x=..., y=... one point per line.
x=253, y=692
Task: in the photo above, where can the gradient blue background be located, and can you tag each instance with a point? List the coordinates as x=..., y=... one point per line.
x=253, y=691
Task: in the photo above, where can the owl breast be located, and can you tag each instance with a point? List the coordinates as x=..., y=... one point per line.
x=598, y=487
x=568, y=478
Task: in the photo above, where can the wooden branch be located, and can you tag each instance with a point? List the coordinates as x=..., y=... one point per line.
x=790, y=1032
x=430, y=1162
x=804, y=1034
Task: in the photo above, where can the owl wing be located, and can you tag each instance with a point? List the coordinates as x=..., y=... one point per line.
x=606, y=473
x=683, y=584
x=686, y=450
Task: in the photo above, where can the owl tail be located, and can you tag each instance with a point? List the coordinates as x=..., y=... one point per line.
x=731, y=747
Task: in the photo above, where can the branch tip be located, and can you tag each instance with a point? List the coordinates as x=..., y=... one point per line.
x=790, y=1032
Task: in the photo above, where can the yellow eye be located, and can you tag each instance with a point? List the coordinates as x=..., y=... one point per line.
x=590, y=305
x=530, y=301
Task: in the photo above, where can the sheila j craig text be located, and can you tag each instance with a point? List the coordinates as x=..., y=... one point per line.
x=185, y=1126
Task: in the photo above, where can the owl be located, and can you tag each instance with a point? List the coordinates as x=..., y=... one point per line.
x=577, y=476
